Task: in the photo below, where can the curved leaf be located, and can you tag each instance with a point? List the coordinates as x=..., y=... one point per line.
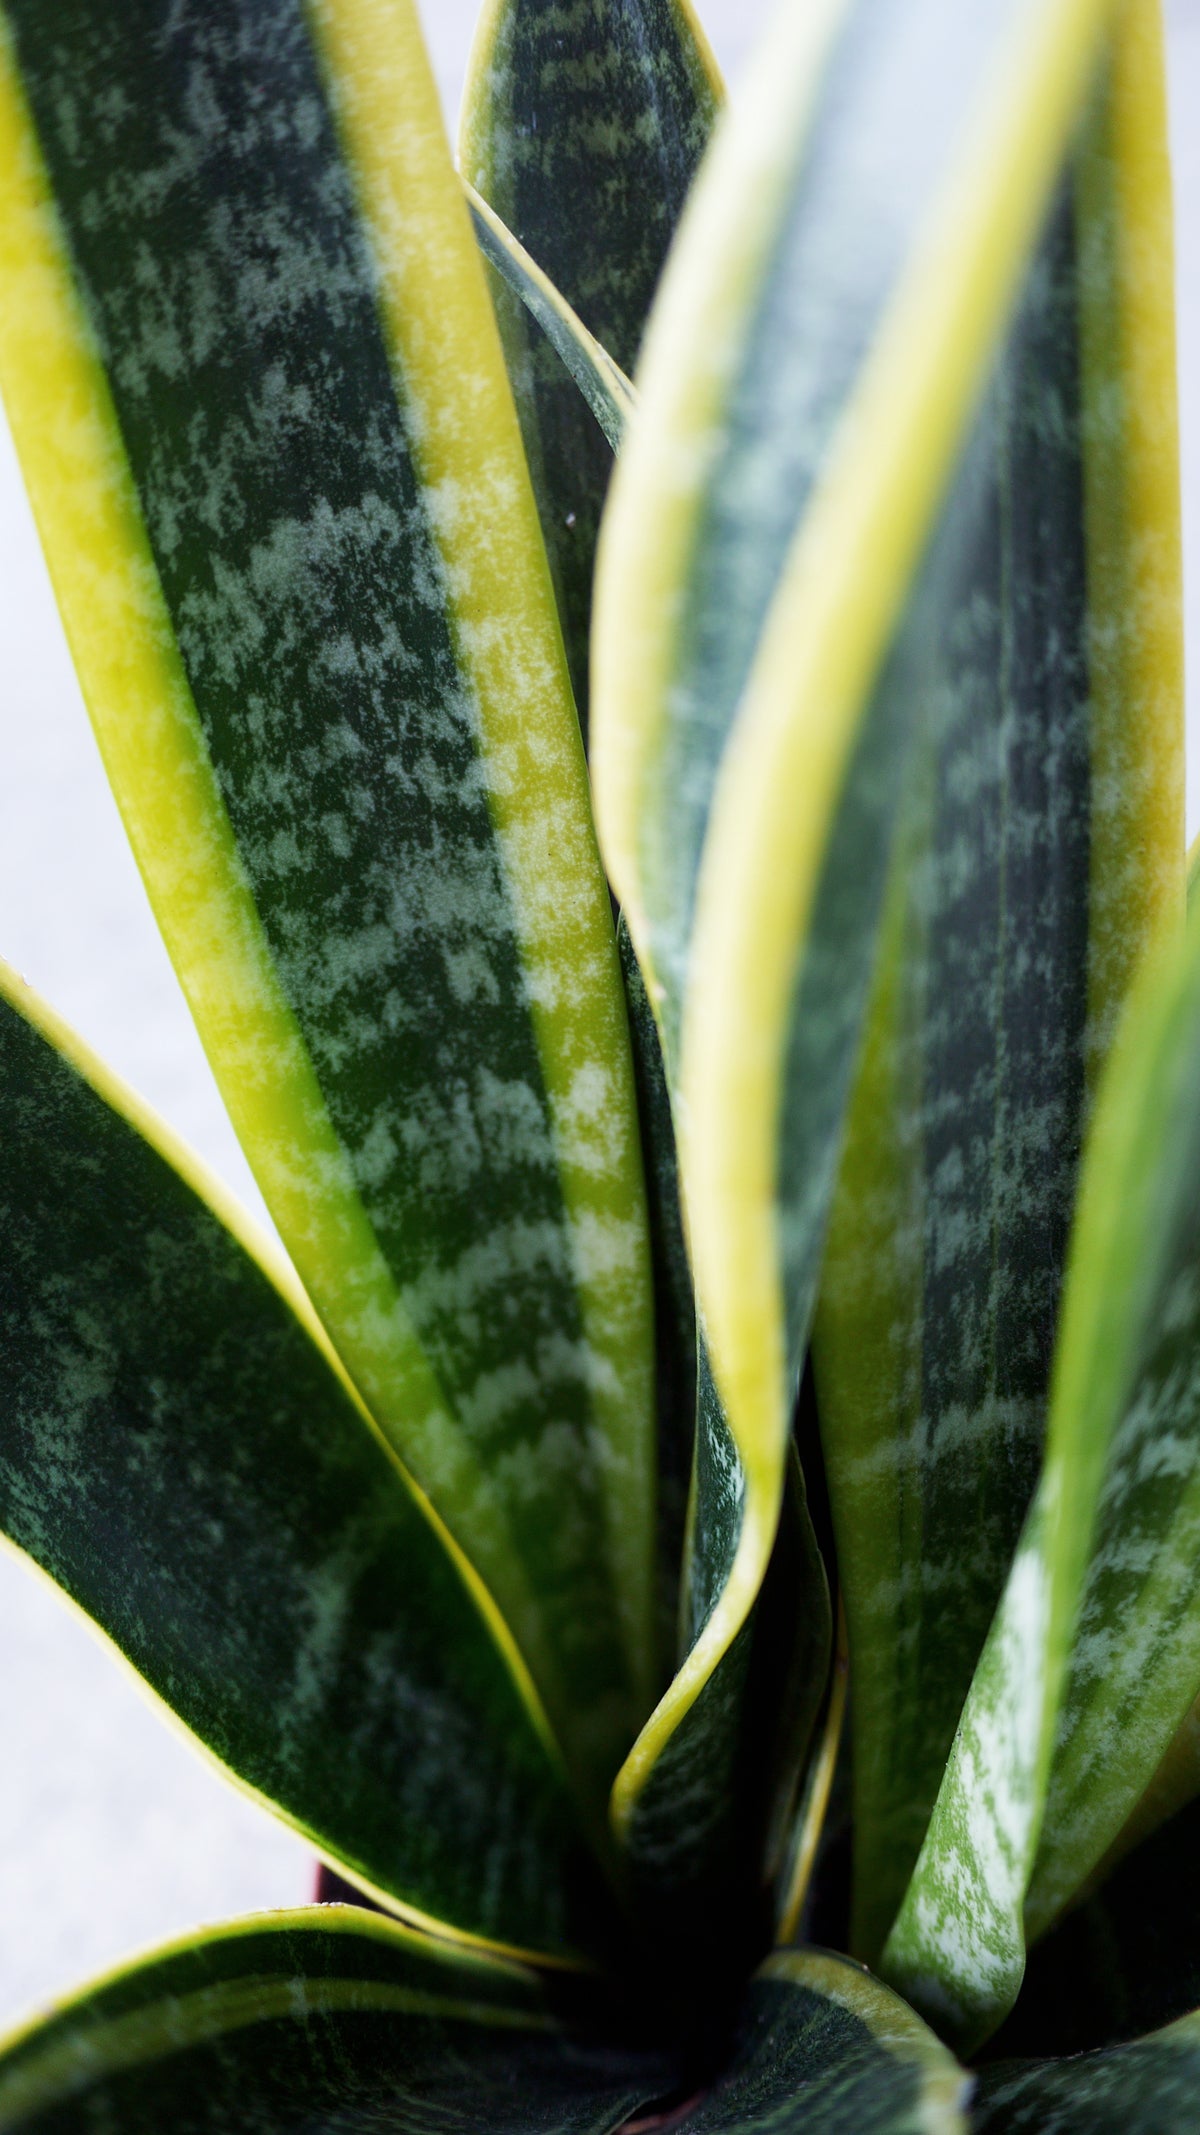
x=256, y=386
x=821, y=2046
x=1123, y=1961
x=603, y=383
x=179, y=1451
x=582, y=128
x=768, y=578
x=1040, y=855
x=314, y=2021
x=1147, y=2088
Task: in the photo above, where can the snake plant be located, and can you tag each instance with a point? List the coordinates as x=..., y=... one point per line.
x=643, y=677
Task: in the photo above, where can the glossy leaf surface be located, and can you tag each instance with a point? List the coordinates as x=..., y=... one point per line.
x=582, y=127
x=1148, y=2088
x=314, y=2021
x=823, y=2047
x=1040, y=854
x=179, y=1452
x=1094, y=1658
x=260, y=400
x=772, y=577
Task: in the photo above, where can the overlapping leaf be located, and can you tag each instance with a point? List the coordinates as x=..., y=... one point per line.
x=260, y=400
x=1041, y=852
x=319, y=2021
x=823, y=2047
x=180, y=1453
x=773, y=577
x=582, y=127
x=1094, y=1659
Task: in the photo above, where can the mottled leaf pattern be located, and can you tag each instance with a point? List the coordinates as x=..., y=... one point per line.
x=1094, y=1657
x=822, y=2048
x=582, y=125
x=324, y=2022
x=258, y=391
x=179, y=1452
x=998, y=981
x=1147, y=2088
x=772, y=586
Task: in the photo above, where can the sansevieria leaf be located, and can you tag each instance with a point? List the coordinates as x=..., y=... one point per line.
x=600, y=379
x=260, y=400
x=1138, y=2089
x=1123, y=1960
x=582, y=127
x=823, y=2047
x=321, y=2020
x=1041, y=850
x=1094, y=1658
x=773, y=576
x=180, y=1452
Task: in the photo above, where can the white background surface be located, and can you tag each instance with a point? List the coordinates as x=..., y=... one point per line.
x=112, y=1831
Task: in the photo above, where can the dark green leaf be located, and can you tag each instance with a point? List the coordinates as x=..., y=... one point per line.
x=823, y=2049
x=1149, y=2088
x=603, y=383
x=998, y=982
x=775, y=587
x=582, y=127
x=258, y=391
x=324, y=2022
x=179, y=1452
x=1123, y=1961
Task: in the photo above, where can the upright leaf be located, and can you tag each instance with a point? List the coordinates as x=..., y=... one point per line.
x=582, y=127
x=775, y=585
x=1041, y=853
x=257, y=389
x=314, y=2021
x=181, y=1453
x=1094, y=1658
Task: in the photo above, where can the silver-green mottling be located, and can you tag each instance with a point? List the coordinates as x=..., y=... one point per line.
x=952, y=1221
x=583, y=126
x=177, y=1454
x=889, y=109
x=822, y=2048
x=315, y=2023
x=1144, y=2088
x=221, y=259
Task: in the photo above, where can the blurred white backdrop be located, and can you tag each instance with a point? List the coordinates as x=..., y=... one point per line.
x=113, y=1833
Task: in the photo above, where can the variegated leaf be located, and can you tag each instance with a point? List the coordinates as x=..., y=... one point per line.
x=774, y=583
x=582, y=126
x=326, y=2021
x=258, y=393
x=1040, y=854
x=182, y=1454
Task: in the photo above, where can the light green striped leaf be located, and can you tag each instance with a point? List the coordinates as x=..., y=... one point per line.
x=259, y=396
x=822, y=2048
x=1041, y=853
x=1094, y=1659
x=1147, y=2088
x=771, y=569
x=323, y=2020
x=181, y=1453
x=603, y=383
x=582, y=126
